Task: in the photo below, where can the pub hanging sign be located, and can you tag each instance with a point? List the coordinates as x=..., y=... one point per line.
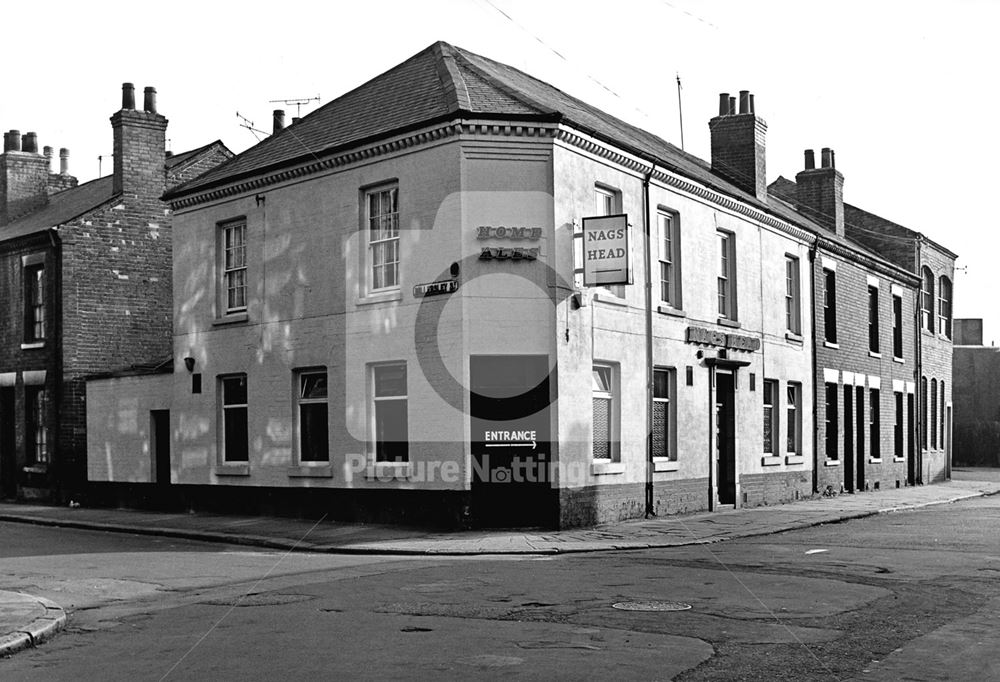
x=606, y=251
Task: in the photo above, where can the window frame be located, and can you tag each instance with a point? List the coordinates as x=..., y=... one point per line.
x=612, y=396
x=37, y=436
x=726, y=276
x=769, y=395
x=927, y=299
x=607, y=202
x=228, y=272
x=377, y=449
x=668, y=239
x=899, y=428
x=944, y=306
x=874, y=344
x=941, y=413
x=669, y=425
x=793, y=295
x=830, y=306
x=372, y=262
x=233, y=408
x=897, y=326
x=875, y=423
x=793, y=420
x=831, y=420
x=933, y=424
x=304, y=403
x=33, y=299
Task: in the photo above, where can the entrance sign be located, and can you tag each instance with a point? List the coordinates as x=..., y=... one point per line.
x=606, y=251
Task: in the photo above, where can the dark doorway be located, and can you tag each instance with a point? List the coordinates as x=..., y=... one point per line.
x=511, y=449
x=911, y=450
x=859, y=406
x=725, y=437
x=848, y=439
x=159, y=439
x=8, y=452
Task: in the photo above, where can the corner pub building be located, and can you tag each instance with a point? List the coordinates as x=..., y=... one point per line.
x=380, y=313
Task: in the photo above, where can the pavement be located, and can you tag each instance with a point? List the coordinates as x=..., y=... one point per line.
x=30, y=619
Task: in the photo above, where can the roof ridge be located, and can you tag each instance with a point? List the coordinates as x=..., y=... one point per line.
x=451, y=79
x=507, y=89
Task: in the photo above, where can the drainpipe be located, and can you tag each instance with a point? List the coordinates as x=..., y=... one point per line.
x=815, y=365
x=646, y=250
x=918, y=452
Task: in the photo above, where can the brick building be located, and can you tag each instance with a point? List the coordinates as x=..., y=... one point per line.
x=385, y=312
x=85, y=279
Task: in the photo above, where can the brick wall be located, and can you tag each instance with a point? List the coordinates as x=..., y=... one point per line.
x=738, y=151
x=777, y=488
x=936, y=364
x=592, y=505
x=23, y=184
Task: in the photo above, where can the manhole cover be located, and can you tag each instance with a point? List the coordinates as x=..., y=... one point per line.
x=651, y=605
x=260, y=599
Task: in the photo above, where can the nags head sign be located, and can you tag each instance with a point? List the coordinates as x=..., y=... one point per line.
x=606, y=251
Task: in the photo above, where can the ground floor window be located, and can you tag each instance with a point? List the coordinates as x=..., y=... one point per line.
x=235, y=444
x=770, y=421
x=313, y=425
x=605, y=405
x=793, y=422
x=664, y=421
x=831, y=421
x=38, y=441
x=874, y=424
x=390, y=412
x=898, y=431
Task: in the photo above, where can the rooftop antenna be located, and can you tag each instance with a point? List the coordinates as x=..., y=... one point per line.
x=297, y=103
x=248, y=124
x=680, y=109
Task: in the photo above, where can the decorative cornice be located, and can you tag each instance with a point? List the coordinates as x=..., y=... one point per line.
x=642, y=166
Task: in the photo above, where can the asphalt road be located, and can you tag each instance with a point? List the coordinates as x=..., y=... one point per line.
x=912, y=596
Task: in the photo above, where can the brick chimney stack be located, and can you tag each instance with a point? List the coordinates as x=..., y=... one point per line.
x=24, y=175
x=820, y=191
x=738, y=144
x=140, y=144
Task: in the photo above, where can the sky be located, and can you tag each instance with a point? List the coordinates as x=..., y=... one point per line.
x=904, y=91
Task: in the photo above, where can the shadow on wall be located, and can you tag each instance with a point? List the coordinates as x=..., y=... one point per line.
x=977, y=444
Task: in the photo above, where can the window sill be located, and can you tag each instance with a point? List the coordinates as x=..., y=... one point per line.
x=832, y=463
x=608, y=297
x=770, y=460
x=874, y=354
x=230, y=318
x=726, y=322
x=665, y=465
x=795, y=459
x=231, y=470
x=828, y=344
x=36, y=469
x=874, y=460
x=668, y=310
x=794, y=338
x=388, y=471
x=33, y=345
x=598, y=468
x=313, y=470
x=899, y=360
x=380, y=297
x=898, y=460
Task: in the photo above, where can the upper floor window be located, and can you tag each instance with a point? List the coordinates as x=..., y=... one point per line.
x=944, y=306
x=233, y=238
x=726, y=280
x=792, y=296
x=609, y=202
x=34, y=301
x=873, y=345
x=668, y=237
x=830, y=305
x=897, y=326
x=927, y=300
x=383, y=238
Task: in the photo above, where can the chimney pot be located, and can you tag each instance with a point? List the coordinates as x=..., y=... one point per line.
x=6, y=142
x=723, y=103
x=15, y=140
x=752, y=109
x=732, y=106
x=278, y=121
x=128, y=96
x=744, y=101
x=64, y=161
x=29, y=143
x=833, y=159
x=295, y=119
x=149, y=100
x=810, y=159
x=47, y=150
x=826, y=158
